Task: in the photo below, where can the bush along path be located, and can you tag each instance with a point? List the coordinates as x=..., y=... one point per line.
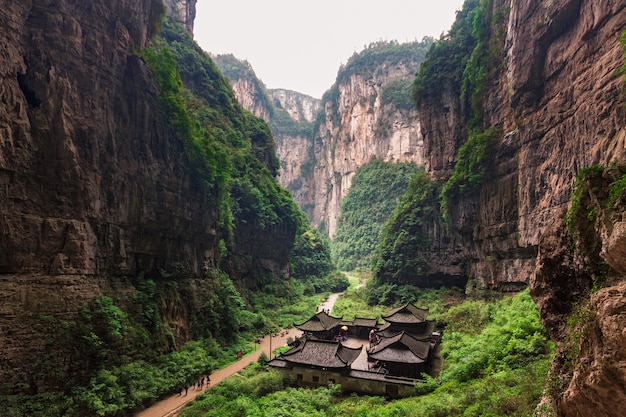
x=171, y=406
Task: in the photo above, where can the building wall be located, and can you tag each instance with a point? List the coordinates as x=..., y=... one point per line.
x=393, y=387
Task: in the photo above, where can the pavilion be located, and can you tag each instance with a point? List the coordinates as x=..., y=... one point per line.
x=402, y=355
x=321, y=326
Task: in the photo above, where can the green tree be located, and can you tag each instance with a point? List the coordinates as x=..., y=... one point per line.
x=373, y=195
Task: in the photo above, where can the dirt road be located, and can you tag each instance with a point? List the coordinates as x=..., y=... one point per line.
x=171, y=406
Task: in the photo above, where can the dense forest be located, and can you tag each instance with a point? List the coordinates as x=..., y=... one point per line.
x=374, y=193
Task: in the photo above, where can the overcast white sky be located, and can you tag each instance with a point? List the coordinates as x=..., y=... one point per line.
x=299, y=45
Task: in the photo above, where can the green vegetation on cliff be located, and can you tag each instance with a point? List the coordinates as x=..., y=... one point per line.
x=311, y=262
x=160, y=329
x=373, y=195
x=397, y=258
x=461, y=63
x=597, y=195
x=446, y=60
x=375, y=56
x=474, y=163
x=234, y=69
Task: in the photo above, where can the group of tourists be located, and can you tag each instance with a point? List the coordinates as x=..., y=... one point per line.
x=198, y=386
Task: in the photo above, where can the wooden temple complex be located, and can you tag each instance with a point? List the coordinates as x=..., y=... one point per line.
x=406, y=347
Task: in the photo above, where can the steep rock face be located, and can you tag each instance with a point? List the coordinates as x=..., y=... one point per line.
x=96, y=188
x=357, y=127
x=290, y=115
x=319, y=156
x=183, y=11
x=247, y=93
x=68, y=163
x=294, y=145
x=249, y=90
x=295, y=154
x=554, y=102
x=556, y=97
x=91, y=184
x=300, y=107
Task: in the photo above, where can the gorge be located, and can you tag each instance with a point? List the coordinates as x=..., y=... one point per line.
x=548, y=93
x=113, y=173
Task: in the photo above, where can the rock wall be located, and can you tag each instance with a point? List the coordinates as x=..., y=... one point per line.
x=96, y=188
x=319, y=161
x=294, y=147
x=555, y=104
x=76, y=136
x=558, y=99
x=90, y=180
x=357, y=127
x=290, y=115
x=183, y=11
x=300, y=107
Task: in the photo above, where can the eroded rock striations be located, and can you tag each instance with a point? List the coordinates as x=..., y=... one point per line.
x=366, y=114
x=183, y=11
x=96, y=189
x=555, y=96
x=358, y=126
x=291, y=116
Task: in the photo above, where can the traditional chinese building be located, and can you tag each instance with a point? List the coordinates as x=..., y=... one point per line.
x=406, y=347
x=408, y=319
x=314, y=361
x=361, y=327
x=321, y=326
x=402, y=355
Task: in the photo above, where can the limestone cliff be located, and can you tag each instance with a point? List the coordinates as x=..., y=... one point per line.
x=249, y=90
x=300, y=107
x=292, y=125
x=554, y=94
x=183, y=11
x=366, y=114
x=85, y=165
x=98, y=190
x=291, y=116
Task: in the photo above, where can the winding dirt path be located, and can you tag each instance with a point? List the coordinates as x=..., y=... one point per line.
x=171, y=406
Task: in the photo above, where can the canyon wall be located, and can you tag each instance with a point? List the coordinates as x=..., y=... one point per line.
x=86, y=166
x=358, y=126
x=97, y=189
x=354, y=122
x=556, y=98
x=292, y=125
x=291, y=116
x=183, y=11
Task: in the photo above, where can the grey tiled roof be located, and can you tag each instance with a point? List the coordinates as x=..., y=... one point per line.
x=365, y=322
x=319, y=323
x=421, y=330
x=407, y=313
x=401, y=348
x=321, y=353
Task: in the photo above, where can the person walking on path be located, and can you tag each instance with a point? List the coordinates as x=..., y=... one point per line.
x=170, y=407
